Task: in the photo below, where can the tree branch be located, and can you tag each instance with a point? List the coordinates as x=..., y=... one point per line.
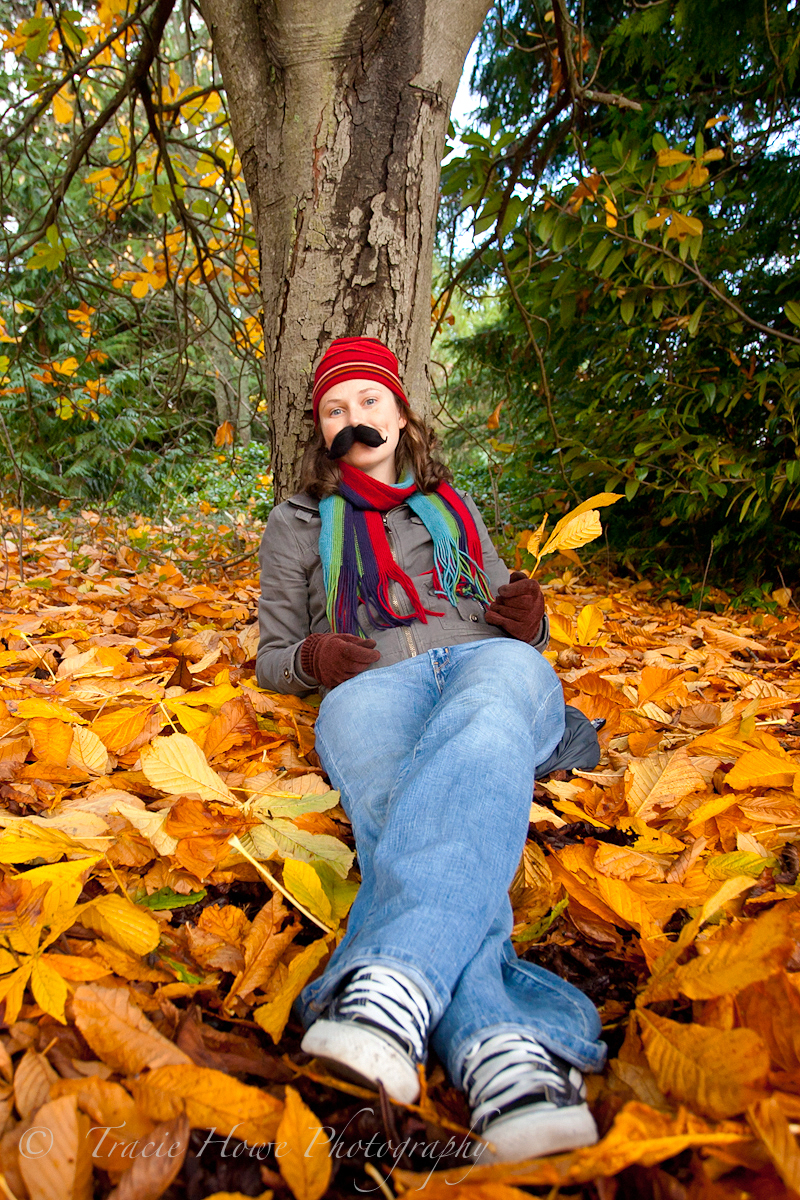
x=151, y=38
x=575, y=89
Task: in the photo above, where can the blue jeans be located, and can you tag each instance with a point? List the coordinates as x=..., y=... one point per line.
x=435, y=758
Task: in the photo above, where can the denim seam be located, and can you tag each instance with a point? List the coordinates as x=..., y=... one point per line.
x=569, y=1054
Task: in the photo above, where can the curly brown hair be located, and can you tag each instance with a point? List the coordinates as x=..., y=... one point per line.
x=416, y=453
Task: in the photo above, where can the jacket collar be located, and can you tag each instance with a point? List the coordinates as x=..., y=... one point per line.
x=304, y=501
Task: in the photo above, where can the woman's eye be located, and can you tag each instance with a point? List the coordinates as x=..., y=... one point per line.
x=371, y=400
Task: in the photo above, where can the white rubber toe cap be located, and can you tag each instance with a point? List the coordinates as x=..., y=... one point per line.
x=361, y=1054
x=527, y=1133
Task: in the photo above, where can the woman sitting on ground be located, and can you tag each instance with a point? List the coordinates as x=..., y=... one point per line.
x=380, y=587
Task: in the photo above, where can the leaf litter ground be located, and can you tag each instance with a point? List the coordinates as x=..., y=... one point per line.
x=175, y=868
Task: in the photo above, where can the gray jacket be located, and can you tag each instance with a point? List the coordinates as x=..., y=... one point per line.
x=293, y=601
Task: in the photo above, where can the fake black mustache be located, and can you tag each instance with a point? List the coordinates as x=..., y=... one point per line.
x=345, y=438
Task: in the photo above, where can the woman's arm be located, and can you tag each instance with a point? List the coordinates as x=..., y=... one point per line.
x=283, y=611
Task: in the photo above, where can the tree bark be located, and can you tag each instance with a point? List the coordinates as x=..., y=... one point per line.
x=339, y=112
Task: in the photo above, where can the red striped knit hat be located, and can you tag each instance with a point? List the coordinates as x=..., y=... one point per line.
x=356, y=358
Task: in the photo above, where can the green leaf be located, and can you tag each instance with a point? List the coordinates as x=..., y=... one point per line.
x=49, y=254
x=290, y=842
x=598, y=254
x=694, y=320
x=631, y=488
x=738, y=862
x=162, y=198
x=166, y=898
x=612, y=262
x=288, y=805
x=792, y=310
x=627, y=307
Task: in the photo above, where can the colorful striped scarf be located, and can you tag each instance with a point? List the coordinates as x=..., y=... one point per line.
x=357, y=561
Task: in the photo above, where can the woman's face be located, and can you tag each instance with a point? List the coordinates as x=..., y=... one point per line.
x=364, y=402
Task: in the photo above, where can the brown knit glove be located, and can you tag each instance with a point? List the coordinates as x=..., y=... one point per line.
x=518, y=607
x=330, y=658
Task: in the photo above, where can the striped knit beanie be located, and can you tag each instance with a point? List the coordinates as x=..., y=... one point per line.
x=356, y=358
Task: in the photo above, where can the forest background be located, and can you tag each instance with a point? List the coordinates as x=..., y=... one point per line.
x=616, y=297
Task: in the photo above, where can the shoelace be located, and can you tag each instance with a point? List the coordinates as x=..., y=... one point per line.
x=508, y=1068
x=385, y=998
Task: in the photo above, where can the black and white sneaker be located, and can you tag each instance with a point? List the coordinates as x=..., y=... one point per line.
x=524, y=1100
x=376, y=1029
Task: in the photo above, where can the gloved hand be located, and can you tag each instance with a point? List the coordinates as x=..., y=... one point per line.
x=330, y=658
x=518, y=607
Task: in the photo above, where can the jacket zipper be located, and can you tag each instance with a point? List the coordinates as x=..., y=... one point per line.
x=393, y=600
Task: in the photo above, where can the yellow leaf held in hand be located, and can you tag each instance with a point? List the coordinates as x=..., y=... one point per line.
x=176, y=765
x=304, y=1160
x=581, y=530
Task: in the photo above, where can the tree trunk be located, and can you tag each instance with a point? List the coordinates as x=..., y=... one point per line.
x=339, y=111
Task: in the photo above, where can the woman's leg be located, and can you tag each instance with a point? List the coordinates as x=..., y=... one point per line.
x=435, y=760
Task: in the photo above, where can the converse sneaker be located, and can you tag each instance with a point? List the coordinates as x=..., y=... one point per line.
x=525, y=1100
x=376, y=1028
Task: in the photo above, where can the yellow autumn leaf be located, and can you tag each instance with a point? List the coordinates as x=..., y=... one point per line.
x=759, y=768
x=716, y=1072
x=590, y=622
x=150, y=824
x=76, y=968
x=12, y=990
x=65, y=879
x=579, y=531
x=659, y=781
x=741, y=954
x=62, y=107
x=118, y=729
x=273, y=1015
x=24, y=841
x=682, y=226
x=68, y=367
x=126, y=924
x=305, y=885
x=119, y=1032
x=770, y=1124
x=304, y=1161
x=49, y=989
x=211, y=1100
x=59, y=1163
x=51, y=739
x=670, y=158
x=88, y=751
x=729, y=890
x=176, y=765
x=535, y=540
x=48, y=709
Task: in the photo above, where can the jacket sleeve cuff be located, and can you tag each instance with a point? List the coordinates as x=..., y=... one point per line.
x=543, y=636
x=304, y=677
